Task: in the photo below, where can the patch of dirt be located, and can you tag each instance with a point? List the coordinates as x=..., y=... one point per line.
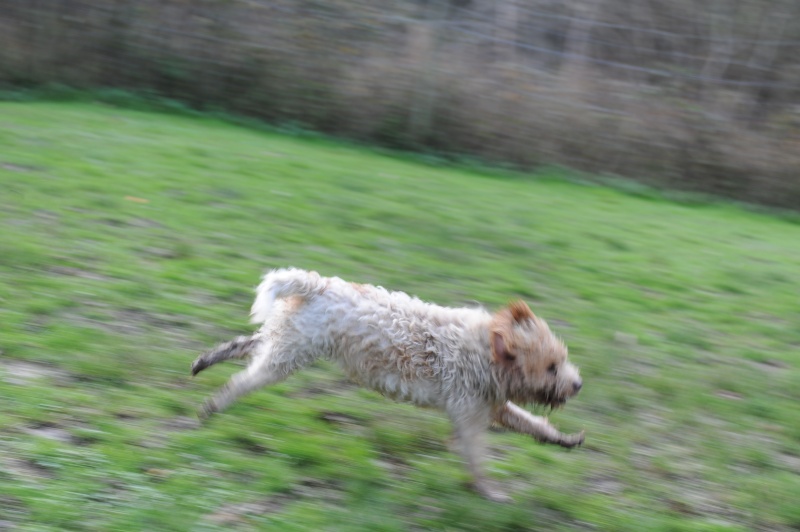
x=51, y=431
x=177, y=329
x=688, y=492
x=625, y=339
x=136, y=321
x=395, y=466
x=161, y=253
x=180, y=423
x=158, y=474
x=44, y=214
x=157, y=438
x=711, y=421
x=772, y=366
x=767, y=317
x=605, y=484
x=179, y=383
x=115, y=321
x=651, y=419
x=130, y=414
x=252, y=446
x=145, y=223
x=22, y=373
x=24, y=469
x=426, y=510
x=789, y=461
x=642, y=455
x=227, y=193
x=695, y=497
x=236, y=513
x=78, y=272
x=12, y=167
x=630, y=366
x=317, y=490
x=339, y=418
x=12, y=510
x=727, y=394
x=111, y=222
x=112, y=492
x=157, y=441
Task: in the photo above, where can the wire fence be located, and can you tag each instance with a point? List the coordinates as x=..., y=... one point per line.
x=695, y=95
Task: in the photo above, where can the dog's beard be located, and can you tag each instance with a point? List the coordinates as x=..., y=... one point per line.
x=548, y=398
x=520, y=390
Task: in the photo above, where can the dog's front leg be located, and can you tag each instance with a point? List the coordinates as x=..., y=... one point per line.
x=470, y=428
x=520, y=420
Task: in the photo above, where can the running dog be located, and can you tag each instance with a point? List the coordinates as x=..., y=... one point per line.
x=473, y=365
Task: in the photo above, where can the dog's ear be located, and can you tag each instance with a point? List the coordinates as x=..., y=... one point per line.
x=520, y=311
x=502, y=332
x=500, y=352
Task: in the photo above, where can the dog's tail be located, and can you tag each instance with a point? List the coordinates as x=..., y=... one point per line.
x=238, y=348
x=283, y=283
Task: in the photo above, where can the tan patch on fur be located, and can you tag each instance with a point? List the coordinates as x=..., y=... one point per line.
x=500, y=336
x=293, y=303
x=360, y=288
x=502, y=329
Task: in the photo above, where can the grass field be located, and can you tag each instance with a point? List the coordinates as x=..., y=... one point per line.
x=132, y=241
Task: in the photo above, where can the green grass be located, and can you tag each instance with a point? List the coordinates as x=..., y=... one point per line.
x=132, y=241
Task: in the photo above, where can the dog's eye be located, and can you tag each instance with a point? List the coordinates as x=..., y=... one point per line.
x=552, y=368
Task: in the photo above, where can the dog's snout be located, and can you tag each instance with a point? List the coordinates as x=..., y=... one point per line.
x=577, y=385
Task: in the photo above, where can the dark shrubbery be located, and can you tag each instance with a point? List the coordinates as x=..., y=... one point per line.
x=673, y=93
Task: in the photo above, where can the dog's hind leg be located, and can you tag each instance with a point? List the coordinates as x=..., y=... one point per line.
x=267, y=367
x=520, y=420
x=242, y=383
x=238, y=348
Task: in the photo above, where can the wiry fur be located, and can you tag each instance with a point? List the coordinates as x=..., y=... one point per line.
x=465, y=361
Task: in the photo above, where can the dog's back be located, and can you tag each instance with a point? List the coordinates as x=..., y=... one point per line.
x=389, y=341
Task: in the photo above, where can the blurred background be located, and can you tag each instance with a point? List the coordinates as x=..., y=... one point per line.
x=627, y=167
x=694, y=95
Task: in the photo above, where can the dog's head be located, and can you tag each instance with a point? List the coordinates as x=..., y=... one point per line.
x=528, y=361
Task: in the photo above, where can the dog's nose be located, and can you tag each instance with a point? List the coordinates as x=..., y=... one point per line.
x=577, y=385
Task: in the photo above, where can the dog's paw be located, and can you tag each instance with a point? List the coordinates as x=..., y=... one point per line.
x=198, y=365
x=572, y=440
x=206, y=411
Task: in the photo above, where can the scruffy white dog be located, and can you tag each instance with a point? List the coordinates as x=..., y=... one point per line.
x=465, y=361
